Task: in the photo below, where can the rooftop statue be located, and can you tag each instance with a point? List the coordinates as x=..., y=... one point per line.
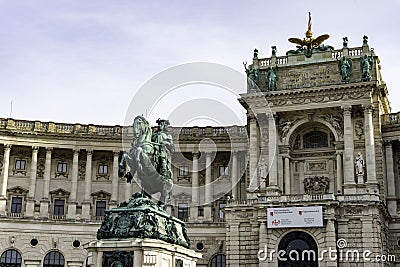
x=308, y=44
x=345, y=66
x=253, y=77
x=271, y=78
x=366, y=63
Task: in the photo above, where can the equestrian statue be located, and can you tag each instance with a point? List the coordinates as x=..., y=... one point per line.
x=149, y=159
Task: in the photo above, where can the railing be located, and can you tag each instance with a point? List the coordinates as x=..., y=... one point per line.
x=337, y=54
x=282, y=60
x=102, y=130
x=58, y=217
x=391, y=118
x=282, y=199
x=98, y=218
x=15, y=215
x=355, y=52
x=24, y=125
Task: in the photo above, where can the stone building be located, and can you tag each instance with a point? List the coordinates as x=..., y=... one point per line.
x=318, y=143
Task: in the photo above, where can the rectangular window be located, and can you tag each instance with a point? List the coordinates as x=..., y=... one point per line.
x=183, y=211
x=223, y=171
x=62, y=167
x=103, y=169
x=16, y=205
x=100, y=208
x=183, y=170
x=59, y=205
x=20, y=164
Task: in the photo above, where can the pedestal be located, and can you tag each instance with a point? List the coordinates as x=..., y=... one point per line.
x=139, y=252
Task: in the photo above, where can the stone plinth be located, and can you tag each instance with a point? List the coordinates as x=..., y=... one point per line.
x=139, y=252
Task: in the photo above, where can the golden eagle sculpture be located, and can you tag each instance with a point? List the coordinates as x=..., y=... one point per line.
x=309, y=42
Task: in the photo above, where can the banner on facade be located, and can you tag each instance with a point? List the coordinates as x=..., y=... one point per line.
x=294, y=217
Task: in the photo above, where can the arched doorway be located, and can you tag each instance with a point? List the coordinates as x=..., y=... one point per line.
x=10, y=258
x=300, y=248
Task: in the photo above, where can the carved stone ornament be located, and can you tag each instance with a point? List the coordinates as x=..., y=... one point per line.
x=336, y=122
x=82, y=170
x=316, y=185
x=284, y=127
x=41, y=168
x=359, y=129
x=117, y=259
x=141, y=217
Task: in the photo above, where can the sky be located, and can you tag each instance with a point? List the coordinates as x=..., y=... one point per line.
x=84, y=61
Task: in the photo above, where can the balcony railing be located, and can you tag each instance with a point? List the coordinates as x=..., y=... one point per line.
x=58, y=217
x=15, y=215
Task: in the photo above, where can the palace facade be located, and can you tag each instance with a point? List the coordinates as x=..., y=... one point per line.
x=319, y=139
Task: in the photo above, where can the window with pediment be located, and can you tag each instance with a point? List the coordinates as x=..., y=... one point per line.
x=100, y=203
x=59, y=198
x=16, y=201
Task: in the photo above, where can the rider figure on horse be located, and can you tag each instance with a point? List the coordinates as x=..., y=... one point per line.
x=164, y=147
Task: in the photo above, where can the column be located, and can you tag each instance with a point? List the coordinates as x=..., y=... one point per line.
x=45, y=201
x=349, y=183
x=391, y=187
x=30, y=202
x=263, y=245
x=74, y=187
x=6, y=163
x=194, y=207
x=115, y=182
x=253, y=184
x=339, y=173
x=208, y=200
x=287, y=175
x=235, y=176
x=330, y=240
x=301, y=177
x=272, y=155
x=88, y=186
x=369, y=146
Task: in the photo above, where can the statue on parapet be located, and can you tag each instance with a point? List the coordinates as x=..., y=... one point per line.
x=148, y=158
x=366, y=63
x=345, y=66
x=253, y=77
x=271, y=78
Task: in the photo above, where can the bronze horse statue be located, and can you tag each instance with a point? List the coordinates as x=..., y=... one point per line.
x=148, y=157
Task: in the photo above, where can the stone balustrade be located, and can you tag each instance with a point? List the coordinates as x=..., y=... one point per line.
x=303, y=198
x=102, y=130
x=391, y=118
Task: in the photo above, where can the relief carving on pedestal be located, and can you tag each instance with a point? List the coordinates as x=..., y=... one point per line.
x=316, y=185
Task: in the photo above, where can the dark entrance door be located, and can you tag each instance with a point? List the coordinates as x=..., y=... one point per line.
x=301, y=250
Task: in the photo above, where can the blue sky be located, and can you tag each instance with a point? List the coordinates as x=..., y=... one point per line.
x=83, y=61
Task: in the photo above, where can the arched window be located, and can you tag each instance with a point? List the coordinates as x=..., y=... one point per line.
x=53, y=259
x=315, y=139
x=218, y=260
x=10, y=258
